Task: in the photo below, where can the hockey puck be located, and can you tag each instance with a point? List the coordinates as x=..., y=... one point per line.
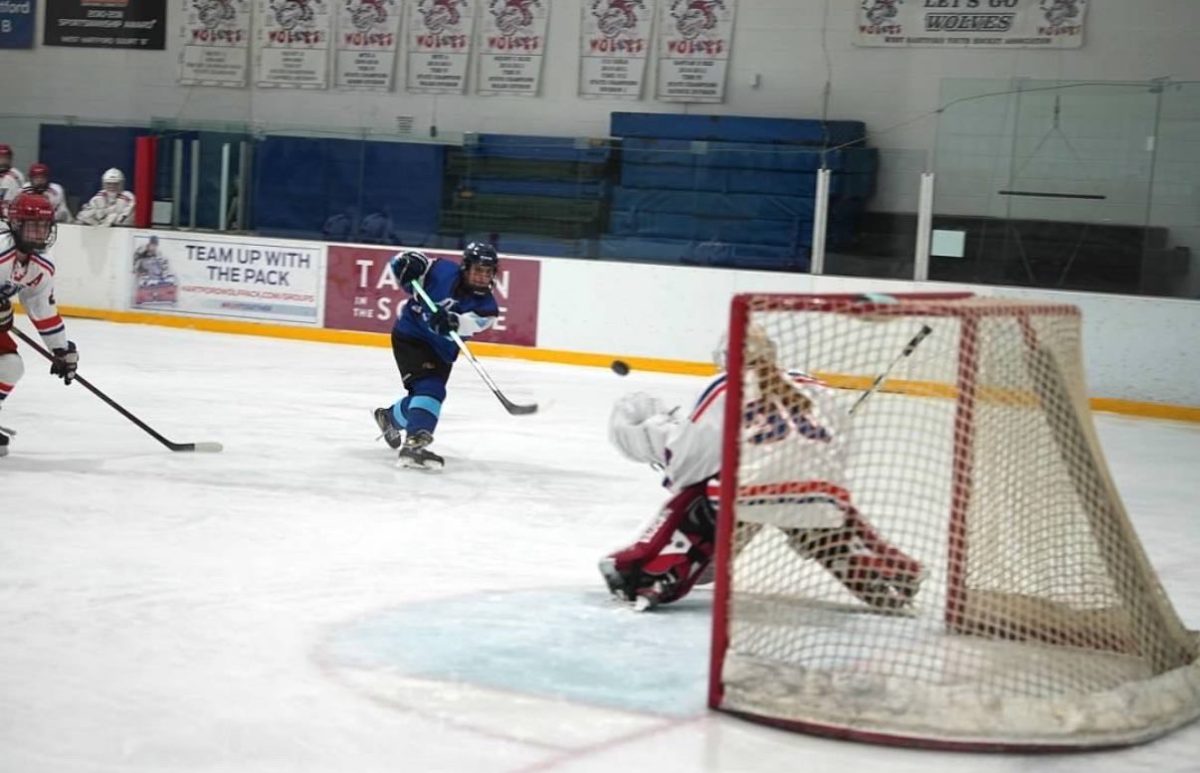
x=620, y=367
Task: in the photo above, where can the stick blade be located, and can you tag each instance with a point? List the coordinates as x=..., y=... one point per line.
x=204, y=448
x=520, y=410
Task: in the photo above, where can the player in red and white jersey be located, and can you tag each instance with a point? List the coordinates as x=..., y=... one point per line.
x=39, y=182
x=11, y=179
x=794, y=443
x=112, y=205
x=27, y=275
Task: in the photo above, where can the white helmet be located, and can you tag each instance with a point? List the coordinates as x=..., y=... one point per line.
x=113, y=177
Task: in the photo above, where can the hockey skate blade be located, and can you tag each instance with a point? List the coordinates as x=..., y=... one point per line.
x=428, y=466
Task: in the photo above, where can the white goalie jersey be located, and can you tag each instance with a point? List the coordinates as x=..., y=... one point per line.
x=792, y=455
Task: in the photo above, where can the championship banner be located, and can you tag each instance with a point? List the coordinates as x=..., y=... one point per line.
x=125, y=24
x=971, y=23
x=292, y=39
x=694, y=39
x=512, y=47
x=368, y=31
x=439, y=45
x=363, y=294
x=616, y=42
x=216, y=43
x=240, y=278
x=16, y=23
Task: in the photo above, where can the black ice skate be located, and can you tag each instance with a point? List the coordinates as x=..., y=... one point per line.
x=414, y=454
x=5, y=434
x=392, y=434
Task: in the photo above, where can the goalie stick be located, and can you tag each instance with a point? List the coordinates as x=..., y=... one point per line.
x=909, y=348
x=207, y=447
x=513, y=408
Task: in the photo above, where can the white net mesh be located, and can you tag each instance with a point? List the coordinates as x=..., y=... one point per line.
x=950, y=563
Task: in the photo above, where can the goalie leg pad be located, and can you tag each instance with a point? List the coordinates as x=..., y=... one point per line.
x=672, y=553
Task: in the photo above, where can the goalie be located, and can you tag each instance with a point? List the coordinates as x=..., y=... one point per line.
x=794, y=437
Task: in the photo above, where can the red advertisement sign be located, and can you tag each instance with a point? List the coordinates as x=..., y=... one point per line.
x=362, y=294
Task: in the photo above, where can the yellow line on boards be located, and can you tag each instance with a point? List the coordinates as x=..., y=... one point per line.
x=1106, y=404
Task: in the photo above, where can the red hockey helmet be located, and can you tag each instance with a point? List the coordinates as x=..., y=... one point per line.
x=31, y=220
x=39, y=170
x=5, y=150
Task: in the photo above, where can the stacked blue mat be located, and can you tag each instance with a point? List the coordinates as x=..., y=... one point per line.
x=731, y=190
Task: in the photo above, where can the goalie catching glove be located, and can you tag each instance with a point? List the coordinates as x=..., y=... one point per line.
x=65, y=363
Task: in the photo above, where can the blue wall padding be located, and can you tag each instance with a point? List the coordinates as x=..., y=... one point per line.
x=709, y=228
x=725, y=254
x=583, y=189
x=682, y=178
x=729, y=205
x=78, y=155
x=339, y=188
x=537, y=148
x=744, y=155
x=735, y=128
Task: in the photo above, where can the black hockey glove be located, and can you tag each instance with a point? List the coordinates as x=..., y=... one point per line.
x=442, y=321
x=409, y=265
x=6, y=315
x=66, y=362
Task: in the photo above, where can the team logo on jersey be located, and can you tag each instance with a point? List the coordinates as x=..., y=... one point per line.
x=693, y=17
x=213, y=13
x=616, y=16
x=512, y=16
x=365, y=14
x=440, y=15
x=1061, y=13
x=880, y=12
x=290, y=14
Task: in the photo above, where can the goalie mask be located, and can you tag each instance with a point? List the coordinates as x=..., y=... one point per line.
x=479, y=266
x=31, y=220
x=759, y=349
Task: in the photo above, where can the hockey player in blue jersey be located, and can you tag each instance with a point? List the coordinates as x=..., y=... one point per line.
x=421, y=341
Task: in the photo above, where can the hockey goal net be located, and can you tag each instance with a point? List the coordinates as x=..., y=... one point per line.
x=946, y=561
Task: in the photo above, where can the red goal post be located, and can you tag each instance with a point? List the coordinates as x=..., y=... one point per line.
x=986, y=589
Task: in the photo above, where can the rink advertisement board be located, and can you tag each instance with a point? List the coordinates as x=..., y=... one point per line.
x=216, y=43
x=239, y=278
x=971, y=23
x=126, y=24
x=361, y=293
x=368, y=31
x=694, y=40
x=292, y=41
x=16, y=23
x=512, y=45
x=616, y=42
x=439, y=45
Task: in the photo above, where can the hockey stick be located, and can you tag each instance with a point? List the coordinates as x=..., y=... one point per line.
x=209, y=447
x=509, y=405
x=909, y=348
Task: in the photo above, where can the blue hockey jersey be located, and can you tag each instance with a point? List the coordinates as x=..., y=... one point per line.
x=443, y=284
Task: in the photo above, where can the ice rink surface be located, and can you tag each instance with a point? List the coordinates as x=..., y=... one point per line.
x=297, y=603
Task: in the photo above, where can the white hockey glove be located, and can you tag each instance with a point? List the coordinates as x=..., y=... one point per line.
x=640, y=426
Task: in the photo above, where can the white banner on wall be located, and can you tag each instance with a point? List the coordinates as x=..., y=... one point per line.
x=971, y=23
x=616, y=42
x=216, y=43
x=292, y=43
x=439, y=45
x=694, y=39
x=512, y=47
x=240, y=278
x=368, y=31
